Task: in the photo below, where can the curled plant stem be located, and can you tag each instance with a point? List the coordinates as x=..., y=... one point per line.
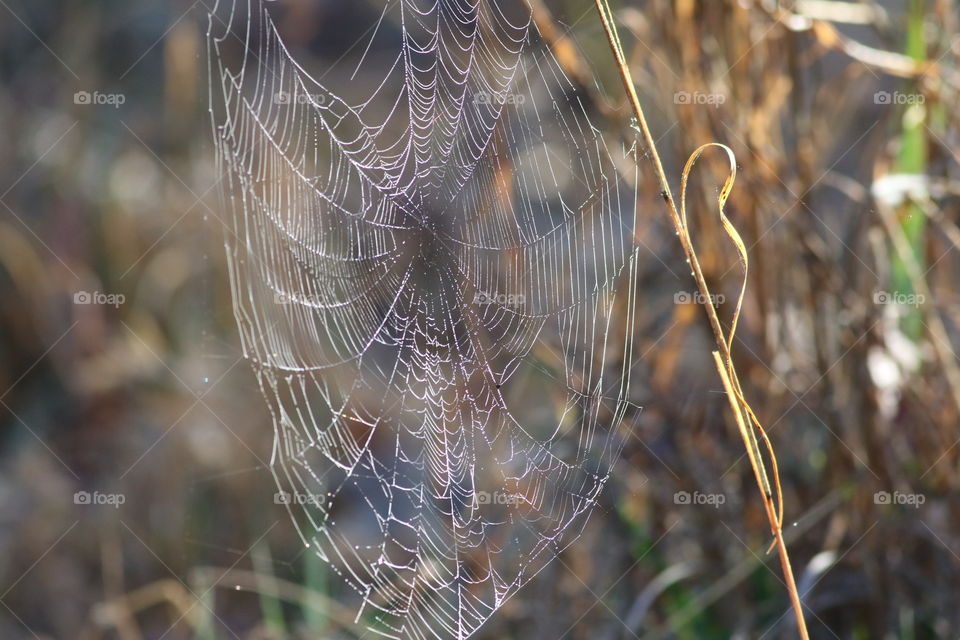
x=747, y=421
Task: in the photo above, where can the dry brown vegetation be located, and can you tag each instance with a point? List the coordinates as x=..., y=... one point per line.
x=843, y=117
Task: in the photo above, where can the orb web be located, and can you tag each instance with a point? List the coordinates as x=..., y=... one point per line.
x=432, y=271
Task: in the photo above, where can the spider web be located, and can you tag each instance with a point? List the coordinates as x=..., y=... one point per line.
x=434, y=282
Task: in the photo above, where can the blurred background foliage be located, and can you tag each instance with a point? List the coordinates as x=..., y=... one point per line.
x=844, y=119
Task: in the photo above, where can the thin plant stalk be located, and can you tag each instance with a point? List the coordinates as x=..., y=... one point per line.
x=743, y=414
x=912, y=158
